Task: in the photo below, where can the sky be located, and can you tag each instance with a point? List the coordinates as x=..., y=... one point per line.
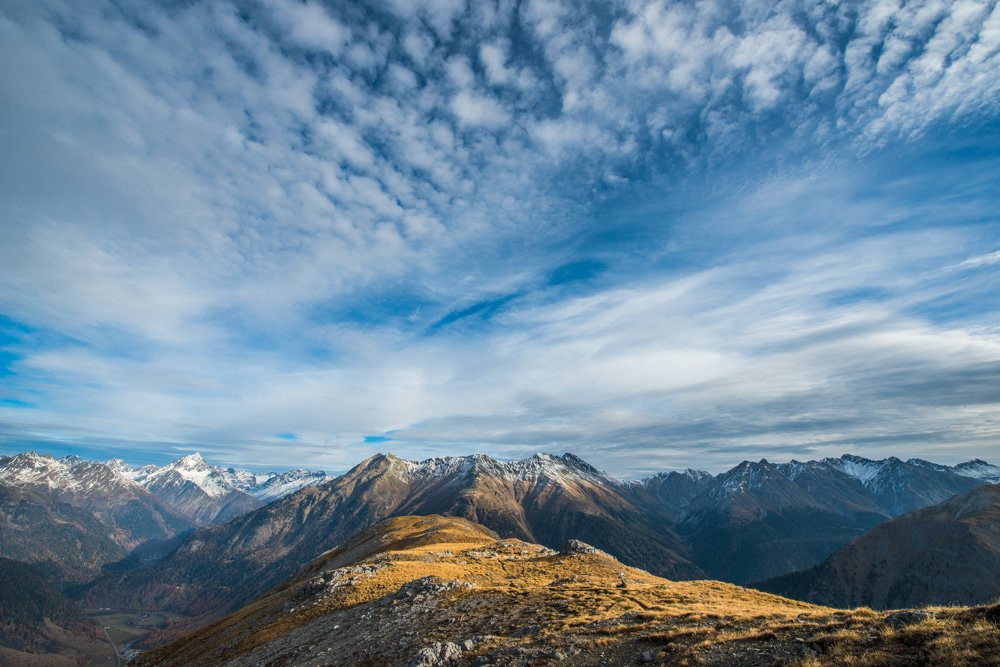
x=655, y=234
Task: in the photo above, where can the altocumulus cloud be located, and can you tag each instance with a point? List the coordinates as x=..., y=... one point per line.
x=228, y=220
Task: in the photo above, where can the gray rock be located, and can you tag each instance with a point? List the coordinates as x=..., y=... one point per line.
x=576, y=548
x=646, y=656
x=438, y=653
x=468, y=645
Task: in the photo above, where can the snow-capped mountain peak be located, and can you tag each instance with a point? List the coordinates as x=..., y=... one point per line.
x=979, y=469
x=194, y=469
x=215, y=481
x=276, y=485
x=190, y=462
x=120, y=467
x=561, y=468
x=68, y=475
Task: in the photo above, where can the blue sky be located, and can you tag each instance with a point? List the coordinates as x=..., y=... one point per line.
x=655, y=234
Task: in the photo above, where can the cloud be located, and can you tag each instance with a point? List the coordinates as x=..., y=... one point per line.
x=474, y=110
x=656, y=228
x=309, y=25
x=988, y=259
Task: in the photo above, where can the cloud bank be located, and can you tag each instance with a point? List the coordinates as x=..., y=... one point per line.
x=657, y=234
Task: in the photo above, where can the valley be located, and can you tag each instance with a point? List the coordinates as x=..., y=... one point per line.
x=130, y=630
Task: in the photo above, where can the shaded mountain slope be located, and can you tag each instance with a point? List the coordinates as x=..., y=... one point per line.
x=762, y=519
x=63, y=541
x=757, y=520
x=947, y=553
x=440, y=590
x=545, y=499
x=33, y=616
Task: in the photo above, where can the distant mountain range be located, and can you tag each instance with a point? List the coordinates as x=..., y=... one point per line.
x=211, y=494
x=948, y=553
x=755, y=521
x=72, y=518
x=544, y=498
x=197, y=539
x=763, y=519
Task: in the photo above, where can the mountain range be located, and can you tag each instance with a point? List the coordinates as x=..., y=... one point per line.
x=544, y=498
x=948, y=553
x=210, y=494
x=429, y=591
x=199, y=540
x=755, y=521
x=762, y=519
x=72, y=518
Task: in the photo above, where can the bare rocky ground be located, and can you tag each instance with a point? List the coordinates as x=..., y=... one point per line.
x=427, y=591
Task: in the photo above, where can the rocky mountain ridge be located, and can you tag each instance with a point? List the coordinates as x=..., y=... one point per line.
x=544, y=499
x=425, y=591
x=757, y=520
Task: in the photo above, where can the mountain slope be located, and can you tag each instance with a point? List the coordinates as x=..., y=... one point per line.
x=132, y=514
x=34, y=618
x=545, y=499
x=947, y=553
x=761, y=519
x=420, y=580
x=444, y=591
x=671, y=493
x=64, y=542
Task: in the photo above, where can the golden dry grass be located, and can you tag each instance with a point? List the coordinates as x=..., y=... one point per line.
x=593, y=600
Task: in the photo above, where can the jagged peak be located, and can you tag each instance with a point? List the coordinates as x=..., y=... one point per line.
x=690, y=473
x=190, y=461
x=33, y=456
x=120, y=466
x=537, y=465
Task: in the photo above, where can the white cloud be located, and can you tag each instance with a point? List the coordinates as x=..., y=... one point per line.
x=988, y=259
x=309, y=25
x=232, y=240
x=477, y=110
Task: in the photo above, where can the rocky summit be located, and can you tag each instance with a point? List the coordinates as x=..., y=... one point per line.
x=425, y=591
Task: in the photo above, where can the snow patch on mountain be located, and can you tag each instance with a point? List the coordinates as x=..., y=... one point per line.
x=70, y=474
x=191, y=468
x=979, y=469
x=216, y=481
x=563, y=468
x=277, y=485
x=862, y=469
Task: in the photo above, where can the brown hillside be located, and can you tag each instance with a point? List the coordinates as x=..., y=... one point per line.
x=415, y=589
